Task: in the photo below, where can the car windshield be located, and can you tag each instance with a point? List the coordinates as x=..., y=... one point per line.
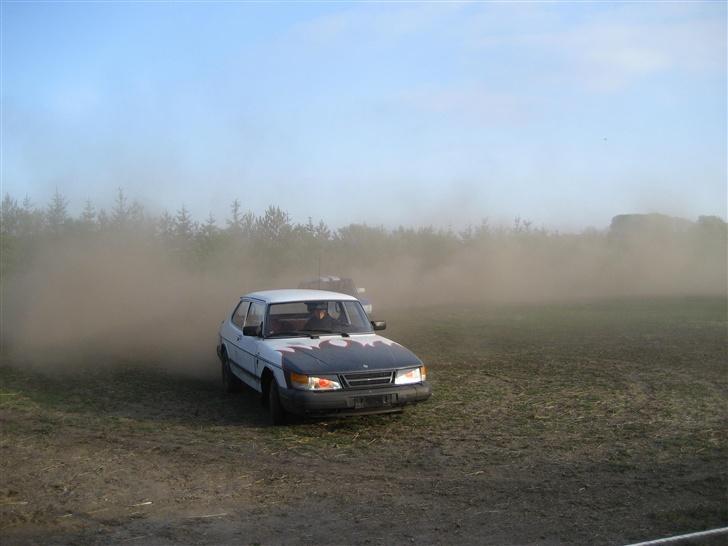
x=302, y=318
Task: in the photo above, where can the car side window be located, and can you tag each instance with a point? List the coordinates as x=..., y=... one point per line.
x=239, y=314
x=255, y=314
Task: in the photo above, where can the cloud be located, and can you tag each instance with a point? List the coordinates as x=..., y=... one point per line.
x=603, y=49
x=611, y=56
x=375, y=24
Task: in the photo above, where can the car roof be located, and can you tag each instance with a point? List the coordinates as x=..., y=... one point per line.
x=327, y=278
x=286, y=295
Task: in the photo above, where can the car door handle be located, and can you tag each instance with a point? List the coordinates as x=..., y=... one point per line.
x=238, y=338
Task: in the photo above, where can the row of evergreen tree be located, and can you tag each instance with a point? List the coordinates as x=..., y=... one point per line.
x=272, y=236
x=278, y=243
x=22, y=219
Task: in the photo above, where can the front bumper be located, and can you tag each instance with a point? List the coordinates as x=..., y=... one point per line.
x=353, y=401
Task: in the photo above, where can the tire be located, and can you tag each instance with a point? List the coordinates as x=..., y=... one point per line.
x=230, y=383
x=278, y=414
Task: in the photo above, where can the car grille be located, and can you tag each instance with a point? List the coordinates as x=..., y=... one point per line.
x=365, y=380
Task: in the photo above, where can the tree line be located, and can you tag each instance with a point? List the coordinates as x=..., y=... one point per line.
x=276, y=242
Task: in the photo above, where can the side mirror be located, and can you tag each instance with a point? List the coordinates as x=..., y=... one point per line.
x=379, y=325
x=253, y=331
x=361, y=290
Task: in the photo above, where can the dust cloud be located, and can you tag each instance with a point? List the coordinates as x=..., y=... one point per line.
x=113, y=302
x=124, y=300
x=575, y=268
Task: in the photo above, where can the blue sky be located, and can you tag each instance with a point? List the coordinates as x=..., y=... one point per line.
x=399, y=113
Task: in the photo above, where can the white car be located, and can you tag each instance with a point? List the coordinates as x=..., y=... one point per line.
x=337, y=284
x=312, y=352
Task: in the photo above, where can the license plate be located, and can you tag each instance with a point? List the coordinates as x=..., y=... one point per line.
x=373, y=401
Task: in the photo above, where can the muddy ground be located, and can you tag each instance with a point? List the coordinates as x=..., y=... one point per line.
x=600, y=423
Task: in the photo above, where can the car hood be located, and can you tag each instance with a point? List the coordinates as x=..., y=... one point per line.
x=329, y=354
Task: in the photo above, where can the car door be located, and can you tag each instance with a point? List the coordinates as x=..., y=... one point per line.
x=248, y=345
x=233, y=335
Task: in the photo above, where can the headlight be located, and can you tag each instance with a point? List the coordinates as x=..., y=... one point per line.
x=313, y=383
x=411, y=375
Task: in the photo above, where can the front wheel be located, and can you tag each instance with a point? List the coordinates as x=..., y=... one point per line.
x=278, y=414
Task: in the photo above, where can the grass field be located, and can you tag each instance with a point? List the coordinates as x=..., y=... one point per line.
x=599, y=423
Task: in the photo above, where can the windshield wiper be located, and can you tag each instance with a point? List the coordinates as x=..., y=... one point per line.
x=293, y=333
x=342, y=334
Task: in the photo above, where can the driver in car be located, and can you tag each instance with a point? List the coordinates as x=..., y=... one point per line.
x=320, y=318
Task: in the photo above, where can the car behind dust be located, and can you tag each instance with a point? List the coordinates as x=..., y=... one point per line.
x=341, y=285
x=315, y=353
